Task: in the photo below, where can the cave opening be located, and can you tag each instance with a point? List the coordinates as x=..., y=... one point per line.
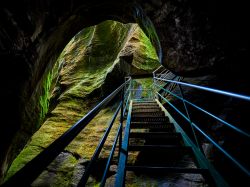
x=204, y=43
x=92, y=64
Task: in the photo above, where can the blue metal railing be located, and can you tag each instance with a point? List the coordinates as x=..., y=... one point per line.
x=138, y=93
x=239, y=96
x=118, y=137
x=94, y=158
x=32, y=170
x=208, y=113
x=123, y=154
x=26, y=175
x=193, y=125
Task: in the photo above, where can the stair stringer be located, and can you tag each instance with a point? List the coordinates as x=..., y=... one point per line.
x=201, y=159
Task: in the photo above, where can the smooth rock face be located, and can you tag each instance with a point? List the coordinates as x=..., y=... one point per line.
x=87, y=70
x=197, y=38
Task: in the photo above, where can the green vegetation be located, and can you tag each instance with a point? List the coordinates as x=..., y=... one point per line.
x=145, y=55
x=74, y=86
x=146, y=85
x=27, y=154
x=44, y=99
x=148, y=28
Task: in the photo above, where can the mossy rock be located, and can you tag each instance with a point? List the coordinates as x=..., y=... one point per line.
x=86, y=71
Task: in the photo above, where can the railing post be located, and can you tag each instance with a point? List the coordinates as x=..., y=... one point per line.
x=121, y=119
x=190, y=121
x=154, y=90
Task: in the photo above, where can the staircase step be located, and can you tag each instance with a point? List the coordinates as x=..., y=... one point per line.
x=146, y=110
x=145, y=107
x=155, y=138
x=150, y=119
x=161, y=156
x=152, y=125
x=152, y=114
x=166, y=169
x=161, y=148
x=141, y=109
x=153, y=135
x=139, y=102
x=145, y=103
x=159, y=171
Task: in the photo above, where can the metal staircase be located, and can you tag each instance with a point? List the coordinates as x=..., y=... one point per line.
x=161, y=149
x=162, y=146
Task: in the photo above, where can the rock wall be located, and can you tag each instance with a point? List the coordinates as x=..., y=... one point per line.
x=200, y=37
x=32, y=36
x=87, y=70
x=197, y=38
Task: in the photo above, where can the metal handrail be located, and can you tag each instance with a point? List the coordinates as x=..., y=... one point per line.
x=26, y=175
x=222, y=92
x=244, y=97
x=117, y=137
x=104, y=177
x=120, y=176
x=149, y=92
x=208, y=113
x=209, y=138
x=157, y=69
x=94, y=158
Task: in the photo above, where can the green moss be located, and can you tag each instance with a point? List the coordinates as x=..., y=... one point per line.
x=146, y=86
x=145, y=56
x=85, y=144
x=28, y=153
x=146, y=83
x=44, y=98
x=63, y=166
x=148, y=28
x=75, y=84
x=89, y=57
x=149, y=48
